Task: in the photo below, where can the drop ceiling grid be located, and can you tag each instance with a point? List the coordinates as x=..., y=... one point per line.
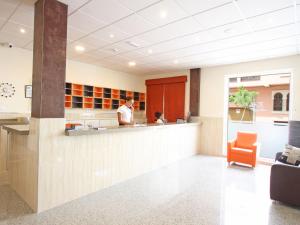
x=204, y=52
x=144, y=10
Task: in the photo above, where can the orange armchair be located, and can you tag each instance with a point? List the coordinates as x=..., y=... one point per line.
x=243, y=149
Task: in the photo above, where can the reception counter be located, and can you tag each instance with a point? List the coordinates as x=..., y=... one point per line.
x=71, y=164
x=136, y=127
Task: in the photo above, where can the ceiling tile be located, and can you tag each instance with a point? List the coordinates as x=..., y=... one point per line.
x=180, y=28
x=14, y=29
x=277, y=32
x=74, y=4
x=164, y=12
x=118, y=48
x=219, y=16
x=83, y=44
x=24, y=14
x=229, y=30
x=134, y=24
x=74, y=34
x=121, y=59
x=29, y=46
x=257, y=7
x=107, y=11
x=104, y=53
x=137, y=4
x=129, y=45
x=84, y=22
x=2, y=21
x=16, y=40
x=7, y=7
x=105, y=34
x=195, y=6
x=276, y=18
x=94, y=41
x=132, y=55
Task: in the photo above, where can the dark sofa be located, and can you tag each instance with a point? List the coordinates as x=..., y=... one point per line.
x=285, y=183
x=285, y=179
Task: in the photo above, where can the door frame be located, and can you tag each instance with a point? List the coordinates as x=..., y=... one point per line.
x=261, y=73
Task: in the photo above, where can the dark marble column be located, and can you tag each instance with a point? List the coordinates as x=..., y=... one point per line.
x=195, y=76
x=49, y=59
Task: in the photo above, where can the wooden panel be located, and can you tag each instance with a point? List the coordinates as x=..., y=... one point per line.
x=195, y=77
x=168, y=80
x=174, y=101
x=154, y=101
x=211, y=136
x=23, y=164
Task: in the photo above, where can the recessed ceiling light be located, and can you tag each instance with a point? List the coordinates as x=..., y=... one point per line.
x=131, y=63
x=111, y=35
x=150, y=51
x=163, y=14
x=79, y=48
x=22, y=30
x=175, y=61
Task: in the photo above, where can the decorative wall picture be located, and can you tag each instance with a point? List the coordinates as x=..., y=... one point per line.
x=28, y=91
x=7, y=90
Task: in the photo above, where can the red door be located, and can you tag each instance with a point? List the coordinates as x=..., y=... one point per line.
x=155, y=95
x=174, y=96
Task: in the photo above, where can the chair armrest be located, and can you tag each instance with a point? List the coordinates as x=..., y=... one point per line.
x=283, y=185
x=231, y=143
x=256, y=147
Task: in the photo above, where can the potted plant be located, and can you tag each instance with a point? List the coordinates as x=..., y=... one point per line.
x=243, y=99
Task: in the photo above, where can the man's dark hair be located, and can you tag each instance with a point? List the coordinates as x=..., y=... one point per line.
x=128, y=99
x=157, y=115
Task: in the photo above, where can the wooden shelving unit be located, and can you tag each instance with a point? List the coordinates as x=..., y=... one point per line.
x=79, y=96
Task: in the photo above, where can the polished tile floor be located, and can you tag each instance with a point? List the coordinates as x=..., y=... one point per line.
x=200, y=190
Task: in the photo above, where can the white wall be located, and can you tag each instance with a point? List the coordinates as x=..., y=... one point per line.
x=174, y=74
x=212, y=82
x=16, y=68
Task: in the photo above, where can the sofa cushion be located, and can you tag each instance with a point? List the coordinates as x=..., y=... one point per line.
x=291, y=155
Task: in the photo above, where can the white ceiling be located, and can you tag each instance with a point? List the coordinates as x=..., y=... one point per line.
x=193, y=33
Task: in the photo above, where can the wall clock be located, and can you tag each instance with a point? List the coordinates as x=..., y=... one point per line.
x=7, y=90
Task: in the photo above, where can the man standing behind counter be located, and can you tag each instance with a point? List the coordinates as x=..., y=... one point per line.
x=125, y=112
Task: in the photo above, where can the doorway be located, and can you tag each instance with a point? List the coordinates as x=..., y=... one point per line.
x=259, y=103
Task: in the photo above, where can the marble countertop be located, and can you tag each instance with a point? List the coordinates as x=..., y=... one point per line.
x=18, y=129
x=93, y=131
x=14, y=121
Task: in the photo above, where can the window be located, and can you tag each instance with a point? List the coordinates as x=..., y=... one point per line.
x=277, y=102
x=233, y=80
x=281, y=101
x=250, y=78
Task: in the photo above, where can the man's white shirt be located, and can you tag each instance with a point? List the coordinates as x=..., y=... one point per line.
x=126, y=113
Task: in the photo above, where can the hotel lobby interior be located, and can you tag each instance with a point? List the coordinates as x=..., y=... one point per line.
x=149, y=112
